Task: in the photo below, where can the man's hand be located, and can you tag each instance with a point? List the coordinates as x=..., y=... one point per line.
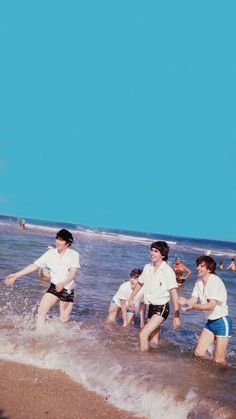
x=10, y=279
x=186, y=305
x=176, y=323
x=182, y=301
x=59, y=286
x=131, y=304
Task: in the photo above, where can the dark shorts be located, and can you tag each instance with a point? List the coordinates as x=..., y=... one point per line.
x=180, y=281
x=160, y=310
x=63, y=295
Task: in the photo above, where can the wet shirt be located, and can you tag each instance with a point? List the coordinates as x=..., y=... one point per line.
x=59, y=266
x=213, y=290
x=157, y=283
x=124, y=292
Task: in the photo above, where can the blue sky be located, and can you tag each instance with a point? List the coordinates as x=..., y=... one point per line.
x=120, y=114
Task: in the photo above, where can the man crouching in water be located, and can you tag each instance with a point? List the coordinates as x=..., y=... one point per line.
x=159, y=282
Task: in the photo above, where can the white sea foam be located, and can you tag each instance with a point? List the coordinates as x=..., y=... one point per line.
x=126, y=238
x=227, y=253
x=76, y=351
x=113, y=237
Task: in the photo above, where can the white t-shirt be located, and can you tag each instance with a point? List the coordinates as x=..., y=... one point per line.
x=59, y=266
x=124, y=292
x=157, y=283
x=214, y=290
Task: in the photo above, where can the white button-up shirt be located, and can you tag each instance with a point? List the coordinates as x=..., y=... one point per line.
x=157, y=283
x=213, y=290
x=59, y=266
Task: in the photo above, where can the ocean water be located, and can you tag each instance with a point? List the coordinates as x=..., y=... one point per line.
x=168, y=381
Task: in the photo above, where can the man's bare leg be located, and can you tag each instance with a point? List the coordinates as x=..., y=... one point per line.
x=152, y=325
x=205, y=340
x=220, y=351
x=65, y=310
x=46, y=303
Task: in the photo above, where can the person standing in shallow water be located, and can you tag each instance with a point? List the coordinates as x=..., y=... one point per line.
x=211, y=292
x=21, y=222
x=159, y=285
x=182, y=272
x=231, y=266
x=63, y=263
x=221, y=265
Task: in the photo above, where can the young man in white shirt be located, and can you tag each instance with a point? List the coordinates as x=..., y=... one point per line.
x=120, y=300
x=63, y=264
x=159, y=285
x=211, y=292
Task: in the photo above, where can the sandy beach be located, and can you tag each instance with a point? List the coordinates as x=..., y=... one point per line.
x=27, y=392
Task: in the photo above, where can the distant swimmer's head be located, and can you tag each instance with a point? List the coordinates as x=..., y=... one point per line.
x=65, y=235
x=163, y=248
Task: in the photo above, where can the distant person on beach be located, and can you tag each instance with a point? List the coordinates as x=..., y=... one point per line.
x=63, y=263
x=119, y=303
x=221, y=265
x=182, y=272
x=210, y=290
x=21, y=222
x=231, y=266
x=159, y=285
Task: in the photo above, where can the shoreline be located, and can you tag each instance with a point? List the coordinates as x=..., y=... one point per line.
x=28, y=392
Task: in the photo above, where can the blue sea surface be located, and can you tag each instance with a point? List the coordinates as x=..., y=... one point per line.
x=168, y=381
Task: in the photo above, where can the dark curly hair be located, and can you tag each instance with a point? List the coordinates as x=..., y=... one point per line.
x=208, y=261
x=135, y=273
x=163, y=248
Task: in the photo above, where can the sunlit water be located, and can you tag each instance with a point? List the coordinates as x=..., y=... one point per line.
x=167, y=382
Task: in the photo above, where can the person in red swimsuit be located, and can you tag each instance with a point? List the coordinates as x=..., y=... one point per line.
x=182, y=272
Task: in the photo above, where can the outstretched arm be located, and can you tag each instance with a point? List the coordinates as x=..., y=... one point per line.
x=187, y=303
x=10, y=279
x=191, y=304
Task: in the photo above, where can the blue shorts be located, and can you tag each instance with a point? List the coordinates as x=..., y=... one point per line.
x=221, y=327
x=130, y=310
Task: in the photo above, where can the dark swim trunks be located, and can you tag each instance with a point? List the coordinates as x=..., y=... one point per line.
x=180, y=281
x=160, y=310
x=179, y=274
x=63, y=295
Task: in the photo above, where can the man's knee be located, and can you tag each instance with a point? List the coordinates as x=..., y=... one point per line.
x=199, y=351
x=42, y=311
x=143, y=334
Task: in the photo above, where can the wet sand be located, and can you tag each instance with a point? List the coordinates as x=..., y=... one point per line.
x=28, y=392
